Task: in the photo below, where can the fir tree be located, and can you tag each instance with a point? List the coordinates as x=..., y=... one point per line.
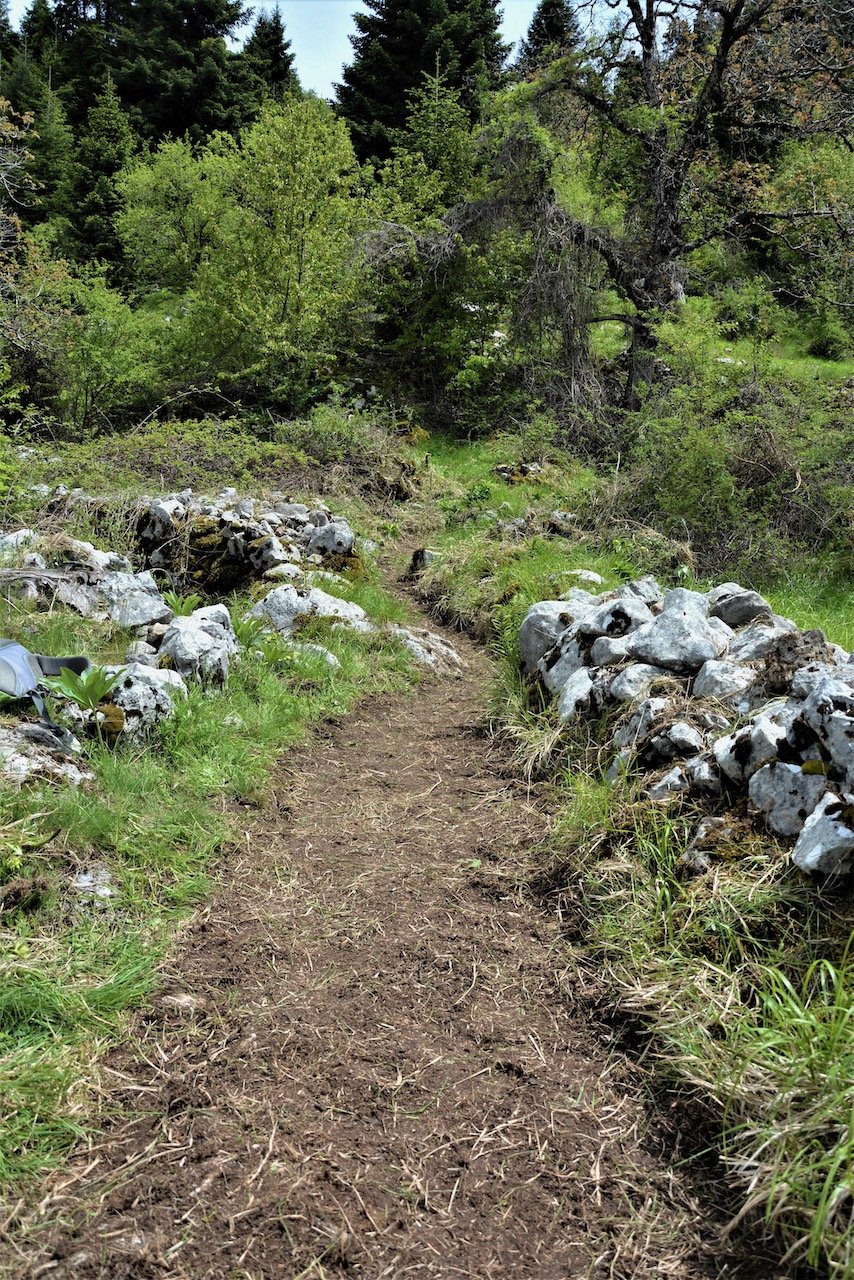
x=554, y=31
x=399, y=41
x=105, y=148
x=268, y=56
x=8, y=44
x=52, y=163
x=173, y=69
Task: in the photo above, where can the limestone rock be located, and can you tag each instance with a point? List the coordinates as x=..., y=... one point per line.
x=635, y=679
x=199, y=647
x=333, y=538
x=540, y=628
x=680, y=639
x=561, y=662
x=285, y=607
x=756, y=640
x=614, y=618
x=671, y=784
x=785, y=796
x=133, y=599
x=723, y=681
x=431, y=650
x=650, y=713
x=826, y=843
x=574, y=696
x=586, y=575
x=741, y=608
x=316, y=651
x=25, y=758
x=607, y=651
x=145, y=695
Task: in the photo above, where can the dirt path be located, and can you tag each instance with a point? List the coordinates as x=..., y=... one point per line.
x=362, y=1063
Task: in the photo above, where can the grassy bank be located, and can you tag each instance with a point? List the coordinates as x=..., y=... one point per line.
x=738, y=984
x=153, y=830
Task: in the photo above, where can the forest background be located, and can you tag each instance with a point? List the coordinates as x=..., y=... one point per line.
x=632, y=243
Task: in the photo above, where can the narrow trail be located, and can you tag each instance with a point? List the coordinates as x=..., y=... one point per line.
x=361, y=1062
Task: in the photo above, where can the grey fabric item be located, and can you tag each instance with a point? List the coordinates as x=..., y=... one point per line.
x=19, y=670
x=21, y=673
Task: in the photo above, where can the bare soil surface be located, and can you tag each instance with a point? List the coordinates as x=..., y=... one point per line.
x=363, y=1062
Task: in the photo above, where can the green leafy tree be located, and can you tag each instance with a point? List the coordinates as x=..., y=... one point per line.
x=554, y=32
x=655, y=89
x=276, y=269
x=397, y=41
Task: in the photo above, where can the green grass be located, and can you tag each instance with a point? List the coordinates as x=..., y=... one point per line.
x=740, y=980
x=158, y=817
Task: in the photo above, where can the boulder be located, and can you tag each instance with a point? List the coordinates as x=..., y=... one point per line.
x=756, y=640
x=333, y=538
x=27, y=757
x=826, y=843
x=142, y=653
x=430, y=650
x=540, y=628
x=741, y=608
x=829, y=712
x=199, y=647
x=285, y=607
x=704, y=775
x=635, y=680
x=741, y=754
x=614, y=618
x=561, y=662
x=11, y=542
x=574, y=696
x=133, y=599
x=607, y=651
x=645, y=588
x=723, y=681
x=145, y=695
x=681, y=600
x=785, y=796
x=316, y=651
x=681, y=639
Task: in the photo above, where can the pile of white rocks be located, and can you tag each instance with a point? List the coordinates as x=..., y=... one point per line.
x=213, y=544
x=226, y=542
x=709, y=694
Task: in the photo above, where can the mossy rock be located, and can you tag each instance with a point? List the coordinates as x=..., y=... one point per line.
x=209, y=564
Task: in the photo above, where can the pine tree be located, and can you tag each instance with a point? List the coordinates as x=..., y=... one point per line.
x=399, y=41
x=105, y=148
x=554, y=31
x=52, y=164
x=38, y=31
x=24, y=83
x=173, y=69
x=8, y=44
x=268, y=55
